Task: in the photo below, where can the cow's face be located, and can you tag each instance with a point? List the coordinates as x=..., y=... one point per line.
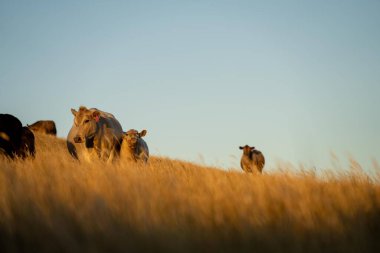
x=247, y=149
x=133, y=135
x=86, y=122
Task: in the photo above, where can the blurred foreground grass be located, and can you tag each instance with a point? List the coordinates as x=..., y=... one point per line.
x=56, y=204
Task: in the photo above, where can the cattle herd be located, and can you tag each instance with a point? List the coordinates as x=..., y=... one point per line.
x=95, y=134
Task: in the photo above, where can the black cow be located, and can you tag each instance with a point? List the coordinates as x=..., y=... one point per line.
x=15, y=140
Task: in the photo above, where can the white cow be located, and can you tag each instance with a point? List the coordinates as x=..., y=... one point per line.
x=94, y=132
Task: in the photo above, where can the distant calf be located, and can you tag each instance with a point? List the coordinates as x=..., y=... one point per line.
x=252, y=160
x=44, y=126
x=134, y=147
x=15, y=140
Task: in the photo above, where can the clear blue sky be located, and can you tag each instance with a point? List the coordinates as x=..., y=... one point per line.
x=296, y=79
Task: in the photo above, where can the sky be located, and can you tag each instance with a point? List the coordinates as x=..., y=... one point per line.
x=299, y=80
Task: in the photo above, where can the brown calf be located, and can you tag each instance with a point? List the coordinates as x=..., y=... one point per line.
x=252, y=160
x=134, y=147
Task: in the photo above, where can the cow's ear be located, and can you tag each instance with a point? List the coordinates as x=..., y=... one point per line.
x=252, y=148
x=143, y=133
x=96, y=115
x=240, y=147
x=74, y=112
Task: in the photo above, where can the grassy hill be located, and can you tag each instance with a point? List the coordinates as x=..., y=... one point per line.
x=56, y=204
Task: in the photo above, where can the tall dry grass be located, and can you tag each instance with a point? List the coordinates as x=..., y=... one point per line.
x=56, y=204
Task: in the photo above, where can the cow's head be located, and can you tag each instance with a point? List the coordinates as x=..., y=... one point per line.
x=247, y=149
x=86, y=122
x=133, y=135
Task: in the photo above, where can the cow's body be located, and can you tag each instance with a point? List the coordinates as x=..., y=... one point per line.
x=106, y=144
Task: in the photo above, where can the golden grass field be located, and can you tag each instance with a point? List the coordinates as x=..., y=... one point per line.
x=56, y=204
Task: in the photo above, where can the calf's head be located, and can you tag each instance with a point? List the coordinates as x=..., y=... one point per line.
x=247, y=149
x=133, y=135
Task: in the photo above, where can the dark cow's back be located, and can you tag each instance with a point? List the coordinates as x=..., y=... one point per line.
x=44, y=126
